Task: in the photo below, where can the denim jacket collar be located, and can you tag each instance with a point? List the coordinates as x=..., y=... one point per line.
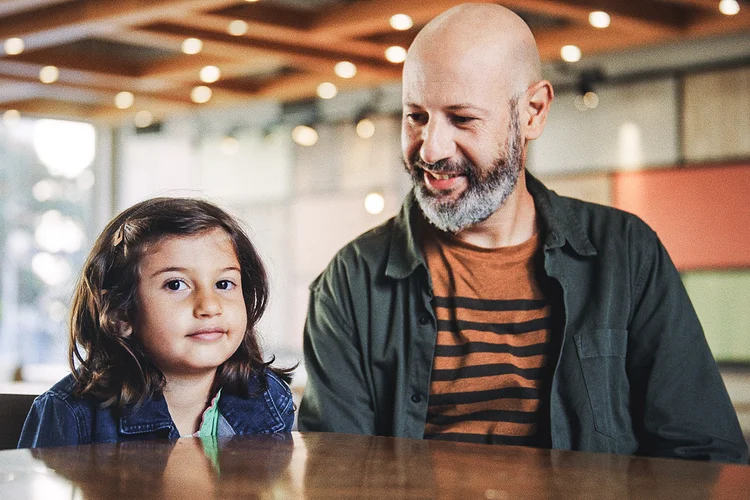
x=152, y=415
x=244, y=415
x=557, y=220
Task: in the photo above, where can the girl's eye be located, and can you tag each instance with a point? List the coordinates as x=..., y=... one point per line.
x=225, y=285
x=175, y=285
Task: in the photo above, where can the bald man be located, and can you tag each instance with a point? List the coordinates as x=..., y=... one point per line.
x=490, y=309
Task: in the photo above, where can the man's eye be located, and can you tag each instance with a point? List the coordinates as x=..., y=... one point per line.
x=225, y=284
x=175, y=285
x=415, y=117
x=463, y=119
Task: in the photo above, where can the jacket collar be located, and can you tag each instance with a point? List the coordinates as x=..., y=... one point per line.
x=152, y=415
x=558, y=220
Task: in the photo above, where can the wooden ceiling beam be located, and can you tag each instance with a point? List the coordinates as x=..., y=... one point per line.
x=296, y=52
x=8, y=7
x=74, y=20
x=551, y=41
x=46, y=107
x=720, y=24
x=372, y=16
x=281, y=33
x=659, y=14
x=95, y=84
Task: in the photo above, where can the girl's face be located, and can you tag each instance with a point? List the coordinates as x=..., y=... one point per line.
x=191, y=314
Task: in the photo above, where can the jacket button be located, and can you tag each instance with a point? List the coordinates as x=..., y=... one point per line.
x=423, y=320
x=416, y=397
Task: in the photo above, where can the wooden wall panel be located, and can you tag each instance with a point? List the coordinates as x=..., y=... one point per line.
x=716, y=117
x=594, y=187
x=701, y=214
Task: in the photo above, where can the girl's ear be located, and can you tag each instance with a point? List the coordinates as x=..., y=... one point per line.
x=125, y=328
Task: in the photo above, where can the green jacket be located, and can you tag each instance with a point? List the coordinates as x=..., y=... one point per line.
x=634, y=373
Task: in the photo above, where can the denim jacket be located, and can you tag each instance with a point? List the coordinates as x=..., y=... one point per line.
x=634, y=373
x=58, y=418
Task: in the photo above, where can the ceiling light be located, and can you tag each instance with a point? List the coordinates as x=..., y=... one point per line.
x=143, y=119
x=570, y=53
x=304, y=135
x=345, y=69
x=251, y=1
x=590, y=99
x=365, y=128
x=53, y=270
x=327, y=90
x=200, y=94
x=395, y=54
x=210, y=74
x=124, y=99
x=374, y=203
x=49, y=74
x=729, y=7
x=192, y=46
x=401, y=22
x=11, y=116
x=579, y=104
x=46, y=189
x=237, y=27
x=229, y=145
x=56, y=232
x=13, y=46
x=66, y=148
x=599, y=19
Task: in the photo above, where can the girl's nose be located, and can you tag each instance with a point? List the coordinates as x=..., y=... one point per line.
x=207, y=304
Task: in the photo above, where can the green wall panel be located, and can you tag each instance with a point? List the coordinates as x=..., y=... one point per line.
x=722, y=301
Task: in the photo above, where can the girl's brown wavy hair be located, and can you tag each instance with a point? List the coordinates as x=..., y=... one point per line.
x=111, y=365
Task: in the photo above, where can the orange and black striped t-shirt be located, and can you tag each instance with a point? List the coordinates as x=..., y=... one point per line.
x=489, y=375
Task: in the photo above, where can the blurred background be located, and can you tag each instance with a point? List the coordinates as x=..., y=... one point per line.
x=287, y=112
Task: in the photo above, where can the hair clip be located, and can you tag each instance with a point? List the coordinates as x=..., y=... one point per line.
x=119, y=235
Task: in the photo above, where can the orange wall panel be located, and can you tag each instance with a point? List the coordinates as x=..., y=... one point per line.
x=702, y=215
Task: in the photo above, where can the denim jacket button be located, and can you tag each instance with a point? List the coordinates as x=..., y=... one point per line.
x=423, y=320
x=416, y=397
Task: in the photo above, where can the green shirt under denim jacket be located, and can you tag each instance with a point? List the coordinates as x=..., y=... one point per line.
x=634, y=373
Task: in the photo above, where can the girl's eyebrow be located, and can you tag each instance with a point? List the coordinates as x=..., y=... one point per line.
x=173, y=269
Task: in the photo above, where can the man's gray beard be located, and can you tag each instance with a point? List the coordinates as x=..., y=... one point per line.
x=483, y=196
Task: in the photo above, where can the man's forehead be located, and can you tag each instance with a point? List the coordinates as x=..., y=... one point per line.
x=452, y=90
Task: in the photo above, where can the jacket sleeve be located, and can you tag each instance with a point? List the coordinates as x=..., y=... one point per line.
x=50, y=422
x=284, y=401
x=337, y=397
x=681, y=407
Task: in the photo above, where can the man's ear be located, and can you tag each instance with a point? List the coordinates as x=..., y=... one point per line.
x=534, y=115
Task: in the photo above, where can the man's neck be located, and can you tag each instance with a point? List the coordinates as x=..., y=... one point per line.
x=512, y=224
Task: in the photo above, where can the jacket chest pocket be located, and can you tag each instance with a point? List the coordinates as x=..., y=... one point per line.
x=602, y=356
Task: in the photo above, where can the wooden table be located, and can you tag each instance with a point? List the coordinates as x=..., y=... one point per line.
x=317, y=465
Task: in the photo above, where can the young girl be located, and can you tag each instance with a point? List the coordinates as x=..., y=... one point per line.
x=162, y=335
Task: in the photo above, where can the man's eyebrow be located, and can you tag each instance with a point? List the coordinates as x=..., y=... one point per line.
x=452, y=107
x=465, y=107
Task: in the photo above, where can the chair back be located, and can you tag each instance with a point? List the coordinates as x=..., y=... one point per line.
x=13, y=411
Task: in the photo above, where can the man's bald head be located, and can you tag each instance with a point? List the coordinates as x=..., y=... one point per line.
x=495, y=39
x=472, y=100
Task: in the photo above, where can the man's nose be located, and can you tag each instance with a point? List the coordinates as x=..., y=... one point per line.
x=437, y=142
x=207, y=304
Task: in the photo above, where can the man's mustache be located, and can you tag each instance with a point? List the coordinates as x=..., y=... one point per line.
x=441, y=166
